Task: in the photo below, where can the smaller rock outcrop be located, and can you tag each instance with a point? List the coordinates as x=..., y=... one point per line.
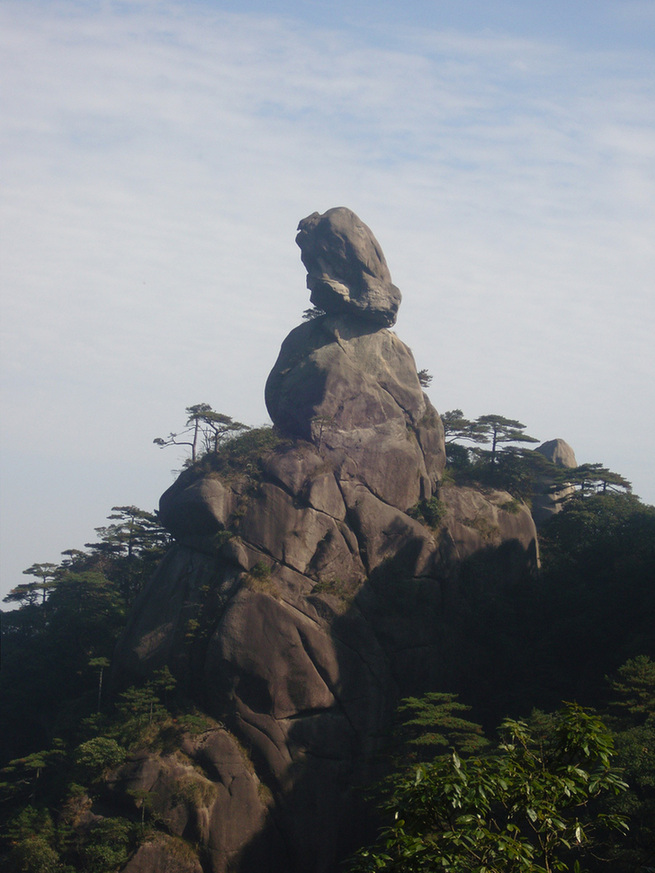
x=165, y=854
x=558, y=452
x=346, y=270
x=204, y=793
x=545, y=501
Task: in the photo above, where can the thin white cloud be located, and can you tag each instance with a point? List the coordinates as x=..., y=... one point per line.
x=159, y=156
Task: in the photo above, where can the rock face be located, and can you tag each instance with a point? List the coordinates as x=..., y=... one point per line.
x=545, y=503
x=203, y=793
x=354, y=392
x=346, y=270
x=307, y=593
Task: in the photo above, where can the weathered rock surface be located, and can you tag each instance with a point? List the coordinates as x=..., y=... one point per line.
x=558, y=452
x=164, y=854
x=346, y=270
x=316, y=606
x=354, y=392
x=546, y=503
x=305, y=595
x=205, y=793
x=476, y=521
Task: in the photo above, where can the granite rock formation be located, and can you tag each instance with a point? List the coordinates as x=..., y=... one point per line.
x=320, y=584
x=346, y=270
x=545, y=501
x=353, y=391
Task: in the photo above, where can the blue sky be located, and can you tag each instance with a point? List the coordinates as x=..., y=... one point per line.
x=157, y=157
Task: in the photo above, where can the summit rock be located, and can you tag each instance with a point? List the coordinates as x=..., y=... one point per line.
x=346, y=270
x=347, y=384
x=546, y=501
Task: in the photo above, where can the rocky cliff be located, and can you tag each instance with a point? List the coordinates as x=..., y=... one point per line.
x=314, y=586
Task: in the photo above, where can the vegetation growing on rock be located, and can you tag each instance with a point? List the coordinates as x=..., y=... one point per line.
x=321, y=571
x=66, y=733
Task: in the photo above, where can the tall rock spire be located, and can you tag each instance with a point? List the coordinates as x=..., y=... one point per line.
x=345, y=382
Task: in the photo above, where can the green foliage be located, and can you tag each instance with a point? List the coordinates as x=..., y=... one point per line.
x=107, y=845
x=458, y=461
x=499, y=429
x=57, y=644
x=424, y=378
x=205, y=431
x=261, y=570
x=436, y=725
x=130, y=548
x=633, y=719
x=456, y=427
x=430, y=512
x=523, y=809
x=195, y=723
x=592, y=530
x=589, y=479
x=259, y=579
x=246, y=448
x=28, y=822
x=22, y=777
x=344, y=592
x=241, y=455
x=51, y=789
x=312, y=313
x=32, y=592
x=487, y=429
x=511, y=467
x=597, y=594
x=33, y=854
x=133, y=533
x=29, y=836
x=590, y=610
x=192, y=630
x=503, y=465
x=97, y=755
x=515, y=470
x=634, y=691
x=142, y=710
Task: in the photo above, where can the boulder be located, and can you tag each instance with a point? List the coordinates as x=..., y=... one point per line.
x=206, y=793
x=476, y=521
x=196, y=505
x=558, y=452
x=346, y=270
x=354, y=392
x=164, y=854
x=545, y=501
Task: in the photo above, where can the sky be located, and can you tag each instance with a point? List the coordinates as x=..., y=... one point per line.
x=157, y=156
